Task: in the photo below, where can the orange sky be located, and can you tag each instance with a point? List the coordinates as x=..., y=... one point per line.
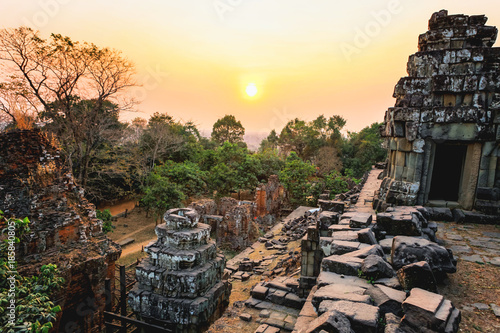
x=194, y=58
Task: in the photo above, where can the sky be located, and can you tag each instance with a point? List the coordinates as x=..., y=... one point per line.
x=195, y=58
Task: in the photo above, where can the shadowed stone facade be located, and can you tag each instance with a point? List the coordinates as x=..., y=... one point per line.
x=443, y=133
x=180, y=284
x=35, y=182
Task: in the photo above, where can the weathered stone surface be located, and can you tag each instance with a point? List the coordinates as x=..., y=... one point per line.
x=408, y=250
x=327, y=278
x=417, y=275
x=330, y=321
x=332, y=206
x=35, y=182
x=340, y=292
x=367, y=251
x=342, y=264
x=327, y=219
x=387, y=299
x=338, y=247
x=367, y=236
x=445, y=108
x=360, y=220
x=402, y=221
x=180, y=282
x=363, y=317
x=424, y=309
x=376, y=267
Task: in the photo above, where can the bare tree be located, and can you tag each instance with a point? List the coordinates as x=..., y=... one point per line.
x=59, y=75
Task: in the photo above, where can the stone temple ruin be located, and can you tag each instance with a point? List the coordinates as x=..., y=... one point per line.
x=36, y=183
x=443, y=132
x=180, y=284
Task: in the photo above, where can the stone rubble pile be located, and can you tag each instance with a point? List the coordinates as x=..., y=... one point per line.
x=362, y=284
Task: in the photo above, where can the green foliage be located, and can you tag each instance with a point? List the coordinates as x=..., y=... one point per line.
x=361, y=150
x=306, y=138
x=34, y=311
x=228, y=129
x=105, y=216
x=187, y=174
x=160, y=194
x=295, y=177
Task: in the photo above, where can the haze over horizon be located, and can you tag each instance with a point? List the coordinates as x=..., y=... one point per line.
x=196, y=59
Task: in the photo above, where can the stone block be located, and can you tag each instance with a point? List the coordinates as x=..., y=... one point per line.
x=376, y=267
x=340, y=292
x=330, y=321
x=407, y=250
x=332, y=206
x=363, y=317
x=259, y=291
x=360, y=220
x=367, y=236
x=368, y=250
x=344, y=264
x=388, y=300
x=417, y=275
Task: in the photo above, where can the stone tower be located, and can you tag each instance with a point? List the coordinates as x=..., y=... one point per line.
x=180, y=285
x=443, y=133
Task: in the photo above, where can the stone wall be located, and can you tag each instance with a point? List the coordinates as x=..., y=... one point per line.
x=231, y=221
x=36, y=183
x=447, y=111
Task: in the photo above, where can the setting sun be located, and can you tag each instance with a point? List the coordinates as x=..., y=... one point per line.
x=251, y=90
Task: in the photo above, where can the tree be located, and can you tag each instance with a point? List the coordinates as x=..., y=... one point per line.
x=160, y=139
x=160, y=194
x=363, y=149
x=57, y=75
x=228, y=129
x=82, y=129
x=306, y=138
x=270, y=143
x=295, y=177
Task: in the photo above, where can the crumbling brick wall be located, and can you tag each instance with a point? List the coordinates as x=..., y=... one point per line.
x=36, y=183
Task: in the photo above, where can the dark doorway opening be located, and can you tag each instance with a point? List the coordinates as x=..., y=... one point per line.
x=447, y=172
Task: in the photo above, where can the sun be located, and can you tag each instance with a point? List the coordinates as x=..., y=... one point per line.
x=251, y=89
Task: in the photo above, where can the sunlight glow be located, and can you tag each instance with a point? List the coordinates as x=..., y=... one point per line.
x=251, y=89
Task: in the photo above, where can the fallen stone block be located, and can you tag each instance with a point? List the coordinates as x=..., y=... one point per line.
x=363, y=317
x=417, y=275
x=332, y=206
x=338, y=247
x=376, y=267
x=259, y=291
x=387, y=299
x=330, y=321
x=368, y=250
x=367, y=236
x=360, y=220
x=400, y=223
x=340, y=292
x=344, y=264
x=392, y=323
x=246, y=316
x=327, y=278
x=327, y=219
x=424, y=309
x=408, y=250
x=350, y=236
x=294, y=301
